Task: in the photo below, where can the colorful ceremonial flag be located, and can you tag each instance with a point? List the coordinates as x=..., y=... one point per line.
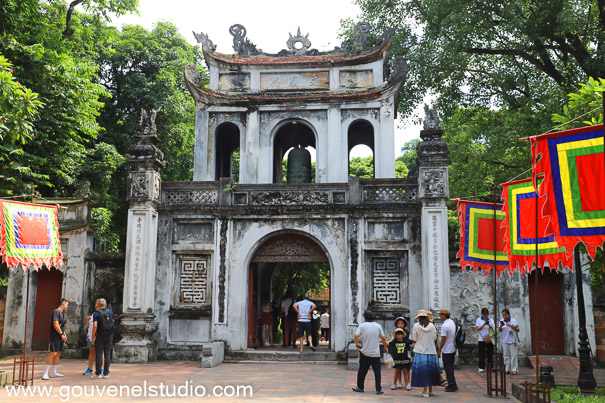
x=477, y=236
x=573, y=165
x=520, y=229
x=29, y=234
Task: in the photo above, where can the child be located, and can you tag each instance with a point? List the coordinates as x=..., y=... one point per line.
x=398, y=348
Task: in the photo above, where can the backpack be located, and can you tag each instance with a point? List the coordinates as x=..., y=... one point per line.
x=460, y=337
x=105, y=325
x=292, y=314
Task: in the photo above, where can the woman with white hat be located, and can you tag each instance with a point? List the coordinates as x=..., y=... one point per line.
x=425, y=369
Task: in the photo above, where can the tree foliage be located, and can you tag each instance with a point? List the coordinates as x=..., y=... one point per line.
x=585, y=107
x=481, y=52
x=363, y=167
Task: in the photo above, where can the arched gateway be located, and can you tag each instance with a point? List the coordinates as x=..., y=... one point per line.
x=273, y=274
x=201, y=255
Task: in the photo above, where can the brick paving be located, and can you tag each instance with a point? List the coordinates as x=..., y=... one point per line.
x=270, y=382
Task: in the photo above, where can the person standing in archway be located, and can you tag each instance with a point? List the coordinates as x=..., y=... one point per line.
x=58, y=338
x=304, y=309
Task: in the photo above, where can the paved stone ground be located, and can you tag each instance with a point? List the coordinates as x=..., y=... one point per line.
x=270, y=382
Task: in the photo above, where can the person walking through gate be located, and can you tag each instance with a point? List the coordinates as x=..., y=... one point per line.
x=304, y=310
x=485, y=326
x=58, y=319
x=447, y=348
x=287, y=323
x=102, y=338
x=325, y=325
x=371, y=334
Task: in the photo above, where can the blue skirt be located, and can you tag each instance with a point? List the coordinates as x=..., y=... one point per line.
x=425, y=370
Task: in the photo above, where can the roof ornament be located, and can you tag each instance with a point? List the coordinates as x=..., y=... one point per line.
x=147, y=123
x=431, y=120
x=205, y=41
x=298, y=45
x=361, y=34
x=241, y=44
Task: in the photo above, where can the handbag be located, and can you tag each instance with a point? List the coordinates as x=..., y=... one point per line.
x=388, y=360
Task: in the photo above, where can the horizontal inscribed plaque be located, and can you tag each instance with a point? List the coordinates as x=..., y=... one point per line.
x=311, y=80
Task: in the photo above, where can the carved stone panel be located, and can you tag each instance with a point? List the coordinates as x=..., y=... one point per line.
x=190, y=197
x=139, y=185
x=234, y=82
x=309, y=80
x=356, y=79
x=288, y=198
x=386, y=280
x=289, y=248
x=193, y=280
x=433, y=182
x=200, y=232
x=385, y=230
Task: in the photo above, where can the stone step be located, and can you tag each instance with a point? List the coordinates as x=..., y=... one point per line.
x=285, y=356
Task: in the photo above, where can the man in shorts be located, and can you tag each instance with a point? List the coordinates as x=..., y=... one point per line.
x=304, y=309
x=58, y=338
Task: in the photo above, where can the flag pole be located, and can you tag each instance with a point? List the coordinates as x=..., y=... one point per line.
x=494, y=276
x=536, y=288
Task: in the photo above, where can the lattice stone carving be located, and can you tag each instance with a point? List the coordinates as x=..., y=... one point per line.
x=193, y=281
x=174, y=197
x=386, y=280
x=390, y=194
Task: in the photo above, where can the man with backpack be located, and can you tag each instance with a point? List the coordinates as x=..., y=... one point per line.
x=102, y=338
x=447, y=348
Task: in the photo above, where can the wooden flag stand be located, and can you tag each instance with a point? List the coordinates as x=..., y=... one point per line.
x=21, y=370
x=543, y=391
x=495, y=374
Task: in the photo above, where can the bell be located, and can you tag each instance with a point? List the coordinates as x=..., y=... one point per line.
x=299, y=166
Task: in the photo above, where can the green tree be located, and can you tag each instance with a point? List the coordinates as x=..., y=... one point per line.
x=585, y=107
x=19, y=106
x=363, y=167
x=480, y=52
x=144, y=69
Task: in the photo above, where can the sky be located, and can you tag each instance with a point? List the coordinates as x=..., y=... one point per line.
x=267, y=22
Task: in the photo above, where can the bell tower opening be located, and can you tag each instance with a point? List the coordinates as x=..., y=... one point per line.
x=293, y=154
x=361, y=149
x=227, y=151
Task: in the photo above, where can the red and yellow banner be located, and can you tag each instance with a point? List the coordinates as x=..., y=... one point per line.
x=573, y=166
x=520, y=229
x=479, y=246
x=29, y=234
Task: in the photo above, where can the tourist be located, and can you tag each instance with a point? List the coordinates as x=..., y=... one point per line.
x=286, y=302
x=447, y=348
x=58, y=319
x=102, y=338
x=425, y=368
x=371, y=334
x=304, y=308
x=485, y=326
x=325, y=325
x=399, y=349
x=91, y=347
x=267, y=321
x=400, y=323
x=315, y=326
x=509, y=329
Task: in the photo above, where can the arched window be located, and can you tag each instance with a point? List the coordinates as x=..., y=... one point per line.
x=361, y=149
x=288, y=137
x=227, y=148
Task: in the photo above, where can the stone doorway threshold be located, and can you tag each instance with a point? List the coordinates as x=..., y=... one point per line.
x=287, y=354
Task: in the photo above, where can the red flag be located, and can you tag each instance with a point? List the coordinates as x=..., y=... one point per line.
x=520, y=229
x=477, y=236
x=573, y=166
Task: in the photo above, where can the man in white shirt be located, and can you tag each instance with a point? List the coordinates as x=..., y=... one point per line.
x=304, y=309
x=371, y=334
x=325, y=325
x=447, y=348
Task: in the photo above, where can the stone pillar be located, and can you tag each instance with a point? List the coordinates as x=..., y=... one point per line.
x=138, y=319
x=433, y=194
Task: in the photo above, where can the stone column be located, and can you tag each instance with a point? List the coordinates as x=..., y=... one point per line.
x=433, y=194
x=138, y=319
